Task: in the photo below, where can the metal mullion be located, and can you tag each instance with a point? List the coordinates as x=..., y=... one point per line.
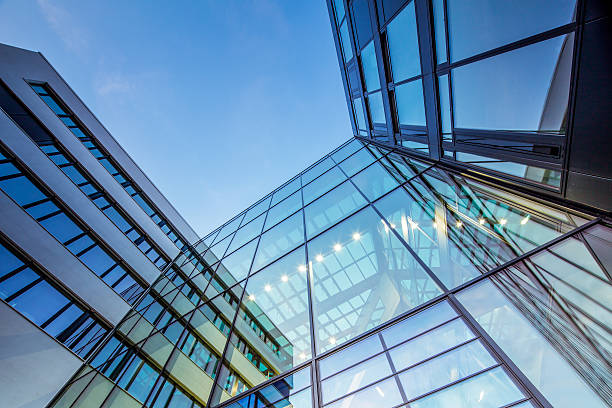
x=514, y=404
x=400, y=387
x=15, y=271
x=56, y=314
x=596, y=257
x=520, y=379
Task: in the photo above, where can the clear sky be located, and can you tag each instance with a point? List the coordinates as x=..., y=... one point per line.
x=218, y=101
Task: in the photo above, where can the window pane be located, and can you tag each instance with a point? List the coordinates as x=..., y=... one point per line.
x=277, y=299
x=346, y=150
x=430, y=344
x=356, y=162
x=235, y=267
x=350, y=355
x=468, y=19
x=285, y=191
x=97, y=260
x=17, y=282
x=347, y=51
x=488, y=390
x=445, y=105
x=61, y=227
x=527, y=347
x=410, y=105
x=361, y=121
x=246, y=233
x=445, y=369
x=21, y=190
x=339, y=10
x=526, y=89
x=377, y=110
x=332, y=207
x=316, y=170
x=418, y=323
x=40, y=302
x=279, y=240
x=8, y=261
x=284, y=209
x=374, y=181
x=404, y=44
x=257, y=209
x=355, y=378
x=324, y=183
x=385, y=394
x=362, y=277
x=370, y=67
x=440, y=30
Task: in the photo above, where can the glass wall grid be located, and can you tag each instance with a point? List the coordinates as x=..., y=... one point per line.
x=95, y=148
x=24, y=287
x=70, y=232
x=60, y=157
x=458, y=232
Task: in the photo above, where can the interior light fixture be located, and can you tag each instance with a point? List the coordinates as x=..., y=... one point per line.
x=332, y=340
x=303, y=356
x=524, y=220
x=319, y=258
x=267, y=287
x=285, y=278
x=356, y=236
x=481, y=221
x=337, y=247
x=252, y=298
x=503, y=221
x=302, y=268
x=459, y=224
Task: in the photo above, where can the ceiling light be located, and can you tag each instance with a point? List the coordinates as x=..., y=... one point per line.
x=434, y=225
x=382, y=394
x=459, y=224
x=356, y=236
x=481, y=221
x=284, y=278
x=332, y=340
x=267, y=288
x=503, y=221
x=319, y=258
x=524, y=220
x=337, y=247
x=303, y=356
x=252, y=298
x=392, y=225
x=302, y=268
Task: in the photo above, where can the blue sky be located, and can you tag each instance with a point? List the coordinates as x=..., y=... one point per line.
x=218, y=101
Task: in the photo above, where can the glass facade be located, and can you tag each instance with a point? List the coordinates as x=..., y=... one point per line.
x=372, y=279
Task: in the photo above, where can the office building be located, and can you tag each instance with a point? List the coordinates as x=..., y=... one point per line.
x=454, y=252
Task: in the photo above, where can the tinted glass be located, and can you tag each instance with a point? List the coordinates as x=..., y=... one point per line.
x=370, y=68
x=361, y=121
x=347, y=51
x=377, y=110
x=404, y=44
x=279, y=240
x=374, y=181
x=410, y=105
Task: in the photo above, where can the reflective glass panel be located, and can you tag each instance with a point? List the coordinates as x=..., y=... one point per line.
x=377, y=110
x=284, y=209
x=332, y=207
x=370, y=67
x=362, y=277
x=279, y=240
x=235, y=267
x=286, y=190
x=374, y=181
x=445, y=369
x=246, y=233
x=350, y=355
x=385, y=394
x=440, y=30
x=357, y=162
x=488, y=390
x=445, y=114
x=345, y=39
x=403, y=43
x=522, y=90
x=316, y=170
x=361, y=120
x=410, y=105
x=468, y=19
x=324, y=183
x=347, y=150
x=277, y=299
x=257, y=209
x=527, y=347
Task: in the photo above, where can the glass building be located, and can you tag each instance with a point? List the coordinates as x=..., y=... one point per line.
x=454, y=252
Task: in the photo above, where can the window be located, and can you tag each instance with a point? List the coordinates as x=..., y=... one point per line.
x=403, y=42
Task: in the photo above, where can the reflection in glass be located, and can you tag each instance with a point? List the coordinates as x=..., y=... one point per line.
x=276, y=302
x=284, y=209
x=324, y=183
x=286, y=191
x=440, y=30
x=488, y=390
x=521, y=90
x=527, y=346
x=354, y=378
x=316, y=170
x=469, y=19
x=362, y=276
x=247, y=233
x=279, y=240
x=370, y=67
x=332, y=207
x=445, y=369
x=348, y=149
x=357, y=162
x=236, y=266
x=374, y=181
x=358, y=107
x=410, y=104
x=350, y=355
x=377, y=110
x=385, y=394
x=404, y=44
x=345, y=40
x=445, y=105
